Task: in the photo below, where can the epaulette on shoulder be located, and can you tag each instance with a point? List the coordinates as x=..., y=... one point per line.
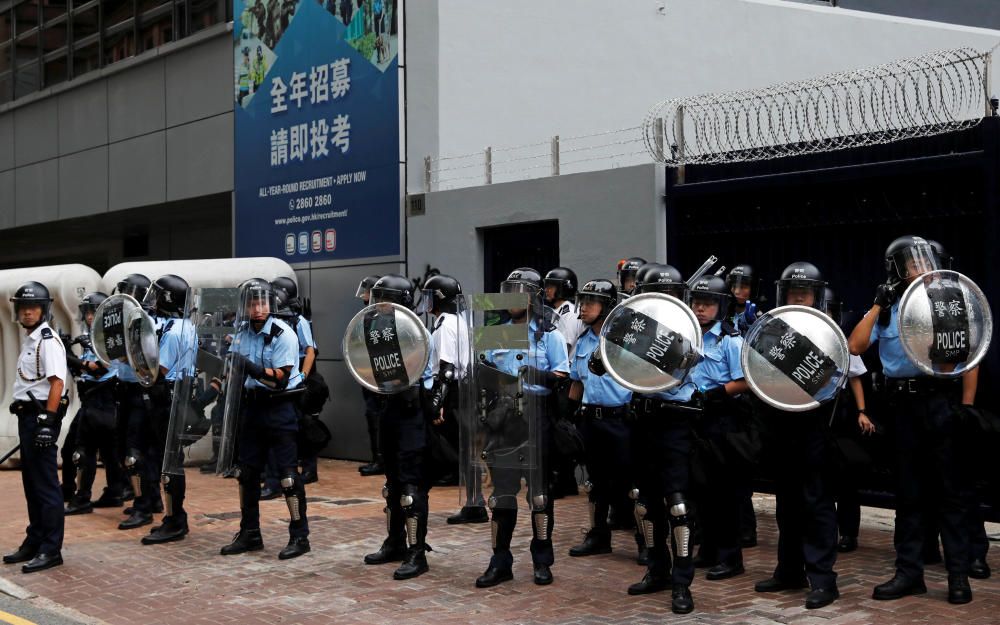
x=47, y=333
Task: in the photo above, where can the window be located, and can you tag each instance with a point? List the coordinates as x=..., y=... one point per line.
x=156, y=25
x=86, y=58
x=205, y=13
x=6, y=83
x=56, y=69
x=6, y=25
x=5, y=57
x=85, y=22
x=53, y=10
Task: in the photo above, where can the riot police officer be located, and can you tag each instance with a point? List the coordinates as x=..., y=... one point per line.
x=374, y=404
x=40, y=404
x=549, y=364
x=603, y=412
x=743, y=284
x=166, y=298
x=627, y=269
x=931, y=456
x=661, y=446
x=265, y=356
x=95, y=421
x=805, y=512
x=402, y=436
x=560, y=292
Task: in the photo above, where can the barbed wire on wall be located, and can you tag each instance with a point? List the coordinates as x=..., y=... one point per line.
x=922, y=96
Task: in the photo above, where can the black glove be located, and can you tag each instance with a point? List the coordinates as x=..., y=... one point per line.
x=250, y=368
x=534, y=375
x=595, y=364
x=885, y=294
x=715, y=394
x=48, y=429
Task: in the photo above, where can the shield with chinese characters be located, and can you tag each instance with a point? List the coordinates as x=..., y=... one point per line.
x=945, y=323
x=108, y=327
x=386, y=348
x=650, y=341
x=795, y=358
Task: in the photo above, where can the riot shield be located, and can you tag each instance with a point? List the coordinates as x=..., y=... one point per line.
x=795, y=358
x=209, y=331
x=650, y=341
x=386, y=348
x=502, y=414
x=945, y=323
x=108, y=328
x=142, y=346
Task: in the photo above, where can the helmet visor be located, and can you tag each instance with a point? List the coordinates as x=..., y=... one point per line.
x=517, y=286
x=362, y=292
x=801, y=293
x=426, y=303
x=382, y=295
x=677, y=290
x=914, y=261
x=708, y=305
x=133, y=290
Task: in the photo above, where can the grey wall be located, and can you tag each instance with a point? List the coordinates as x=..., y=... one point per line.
x=153, y=129
x=603, y=216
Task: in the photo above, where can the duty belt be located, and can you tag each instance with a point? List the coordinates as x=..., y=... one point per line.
x=20, y=407
x=260, y=394
x=921, y=385
x=651, y=405
x=607, y=413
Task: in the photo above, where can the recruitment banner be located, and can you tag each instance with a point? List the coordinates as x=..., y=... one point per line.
x=317, y=171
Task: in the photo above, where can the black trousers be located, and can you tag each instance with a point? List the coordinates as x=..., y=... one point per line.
x=608, y=457
x=932, y=475
x=402, y=436
x=40, y=479
x=93, y=432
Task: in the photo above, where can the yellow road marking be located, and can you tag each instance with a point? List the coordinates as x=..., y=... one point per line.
x=14, y=620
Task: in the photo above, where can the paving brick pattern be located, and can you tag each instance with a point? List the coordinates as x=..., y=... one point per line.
x=109, y=576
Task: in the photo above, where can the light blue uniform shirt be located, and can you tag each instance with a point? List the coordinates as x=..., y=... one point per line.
x=305, y=335
x=597, y=390
x=720, y=364
x=124, y=372
x=548, y=353
x=895, y=364
x=89, y=355
x=177, y=348
x=283, y=351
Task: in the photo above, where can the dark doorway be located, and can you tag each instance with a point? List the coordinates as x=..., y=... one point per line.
x=505, y=248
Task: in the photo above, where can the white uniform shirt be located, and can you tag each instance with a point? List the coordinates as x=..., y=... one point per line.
x=450, y=343
x=570, y=325
x=856, y=367
x=40, y=359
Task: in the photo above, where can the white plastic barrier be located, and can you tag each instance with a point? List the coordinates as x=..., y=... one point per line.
x=211, y=272
x=67, y=285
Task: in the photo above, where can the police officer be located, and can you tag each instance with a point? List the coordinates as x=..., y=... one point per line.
x=931, y=455
x=135, y=412
x=743, y=284
x=805, y=512
x=547, y=352
x=166, y=298
x=661, y=446
x=39, y=403
x=95, y=422
x=374, y=403
x=265, y=351
x=627, y=269
x=402, y=436
x=603, y=413
x=560, y=292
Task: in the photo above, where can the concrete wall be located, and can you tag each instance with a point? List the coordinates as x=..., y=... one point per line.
x=154, y=129
x=603, y=216
x=519, y=71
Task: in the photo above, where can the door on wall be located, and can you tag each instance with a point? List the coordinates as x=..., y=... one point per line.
x=505, y=248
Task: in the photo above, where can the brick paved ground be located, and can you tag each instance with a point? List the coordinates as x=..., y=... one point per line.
x=109, y=576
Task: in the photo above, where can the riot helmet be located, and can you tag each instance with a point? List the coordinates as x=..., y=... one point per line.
x=740, y=277
x=660, y=278
x=364, y=288
x=32, y=294
x=439, y=294
x=908, y=257
x=258, y=300
x=708, y=292
x=832, y=305
x=627, y=268
x=562, y=282
x=166, y=296
x=598, y=291
x=522, y=280
x=89, y=304
x=799, y=283
x=287, y=284
x=282, y=302
x=134, y=284
x=945, y=260
x=394, y=289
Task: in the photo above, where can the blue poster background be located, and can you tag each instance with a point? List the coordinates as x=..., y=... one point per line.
x=362, y=205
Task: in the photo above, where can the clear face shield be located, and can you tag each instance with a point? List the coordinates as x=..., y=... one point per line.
x=677, y=290
x=87, y=316
x=588, y=304
x=426, y=304
x=126, y=288
x=801, y=293
x=363, y=292
x=914, y=261
x=148, y=302
x=741, y=287
x=258, y=304
x=707, y=306
x=43, y=315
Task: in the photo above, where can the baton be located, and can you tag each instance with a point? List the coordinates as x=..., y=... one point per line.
x=711, y=260
x=10, y=453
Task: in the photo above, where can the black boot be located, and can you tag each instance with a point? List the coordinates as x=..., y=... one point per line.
x=499, y=570
x=596, y=542
x=24, y=553
x=295, y=548
x=136, y=519
x=898, y=587
x=78, y=505
x=724, y=570
x=244, y=541
x=680, y=599
x=109, y=499
x=413, y=565
x=392, y=550
x=469, y=514
x=542, y=575
x=173, y=528
x=959, y=591
x=651, y=582
x=979, y=569
x=847, y=544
